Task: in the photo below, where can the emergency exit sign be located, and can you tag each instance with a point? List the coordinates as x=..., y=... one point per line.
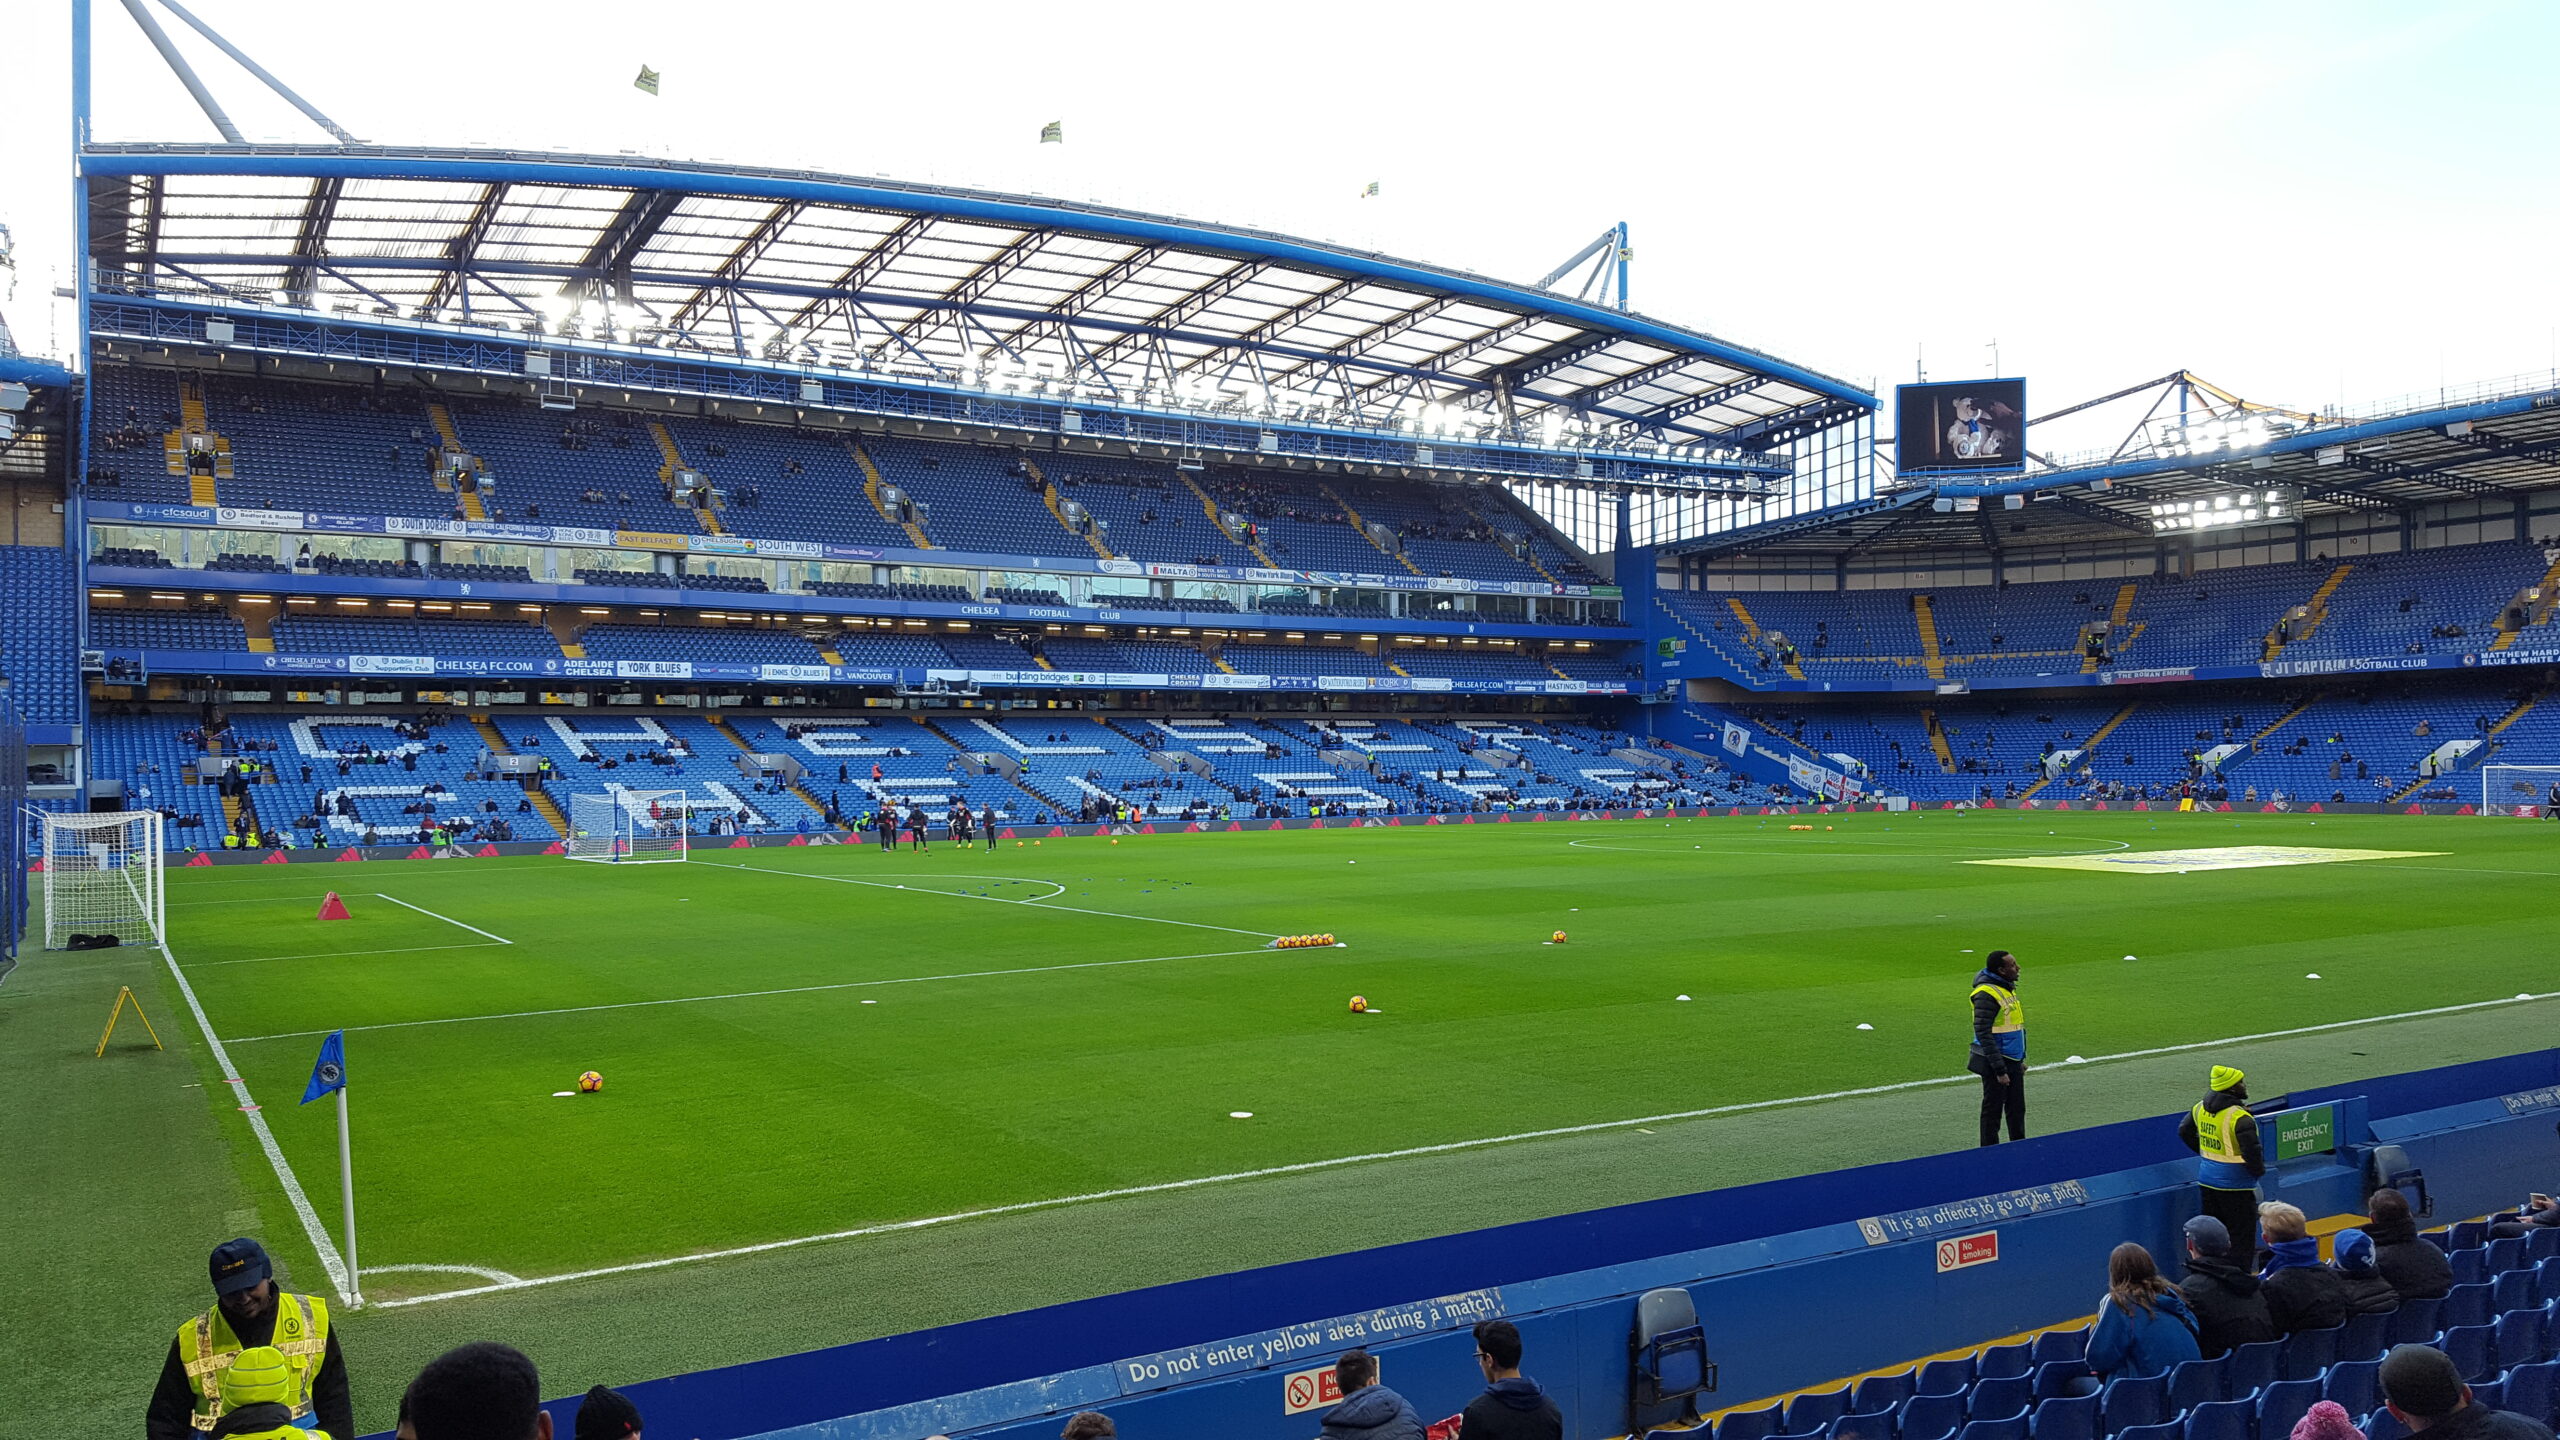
x=2312, y=1130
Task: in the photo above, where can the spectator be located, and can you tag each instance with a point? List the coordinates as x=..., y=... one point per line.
x=1089, y=1425
x=249, y=1310
x=2229, y=1304
x=1512, y=1406
x=1369, y=1410
x=2326, y=1420
x=2367, y=1292
x=607, y=1414
x=2144, y=1325
x=2540, y=1210
x=2425, y=1393
x=479, y=1391
x=2415, y=1267
x=2302, y=1293
x=257, y=1398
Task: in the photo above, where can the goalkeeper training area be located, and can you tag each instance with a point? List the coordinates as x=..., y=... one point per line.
x=1057, y=1051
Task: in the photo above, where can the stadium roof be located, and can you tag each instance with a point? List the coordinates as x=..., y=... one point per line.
x=2499, y=443
x=724, y=260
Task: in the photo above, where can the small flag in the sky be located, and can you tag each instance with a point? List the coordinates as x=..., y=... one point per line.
x=1054, y=133
x=329, y=1072
x=648, y=80
x=1371, y=193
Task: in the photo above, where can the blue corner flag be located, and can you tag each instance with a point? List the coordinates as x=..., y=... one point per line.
x=329, y=1072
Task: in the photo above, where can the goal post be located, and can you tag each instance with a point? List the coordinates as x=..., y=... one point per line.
x=2505, y=789
x=629, y=827
x=104, y=874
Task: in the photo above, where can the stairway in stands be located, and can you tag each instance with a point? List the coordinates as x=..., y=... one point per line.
x=671, y=460
x=2089, y=751
x=2479, y=754
x=1930, y=655
x=871, y=483
x=192, y=421
x=2120, y=632
x=1938, y=742
x=2547, y=597
x=1210, y=508
x=1751, y=629
x=543, y=804
x=1050, y=497
x=1363, y=527
x=730, y=734
x=2318, y=610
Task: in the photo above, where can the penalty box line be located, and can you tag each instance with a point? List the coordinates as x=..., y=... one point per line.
x=1448, y=1147
x=749, y=994
x=1001, y=900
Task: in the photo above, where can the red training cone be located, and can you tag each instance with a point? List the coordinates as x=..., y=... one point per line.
x=334, y=908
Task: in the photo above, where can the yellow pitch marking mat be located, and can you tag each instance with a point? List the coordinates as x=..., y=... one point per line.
x=2223, y=857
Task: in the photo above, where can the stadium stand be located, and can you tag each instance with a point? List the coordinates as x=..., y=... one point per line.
x=425, y=635
x=736, y=644
x=165, y=630
x=39, y=646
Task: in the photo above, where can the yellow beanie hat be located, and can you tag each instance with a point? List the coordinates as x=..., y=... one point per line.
x=2224, y=1077
x=259, y=1376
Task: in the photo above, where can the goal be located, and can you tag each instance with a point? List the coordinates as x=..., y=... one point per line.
x=104, y=875
x=2506, y=788
x=629, y=827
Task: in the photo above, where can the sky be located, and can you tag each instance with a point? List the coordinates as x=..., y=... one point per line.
x=2307, y=204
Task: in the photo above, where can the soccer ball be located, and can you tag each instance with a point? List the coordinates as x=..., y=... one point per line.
x=1359, y=1004
x=590, y=1083
x=1559, y=938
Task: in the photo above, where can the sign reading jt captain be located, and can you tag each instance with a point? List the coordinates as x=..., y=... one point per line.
x=1271, y=1347
x=1936, y=1220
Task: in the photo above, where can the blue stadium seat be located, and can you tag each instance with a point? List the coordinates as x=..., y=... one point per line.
x=2507, y=1254
x=2133, y=1401
x=2546, y=1273
x=2061, y=1345
x=2515, y=1290
x=1862, y=1427
x=2363, y=1335
x=2283, y=1403
x=2221, y=1420
x=2308, y=1352
x=1946, y=1377
x=1881, y=1394
x=2533, y=1390
x=1811, y=1413
x=2470, y=1234
x=2065, y=1417
x=1751, y=1424
x=2195, y=1382
x=2517, y=1339
x=2414, y=1323
x=2000, y=1397
x=2383, y=1425
x=2490, y=1394
x=2013, y=1428
x=1923, y=1417
x=2464, y=1305
x=2004, y=1360
x=2354, y=1385
x=2469, y=1347
x=2542, y=1242
x=2470, y=1267
x=2441, y=1239
x=2255, y=1367
x=2055, y=1378
x=2166, y=1430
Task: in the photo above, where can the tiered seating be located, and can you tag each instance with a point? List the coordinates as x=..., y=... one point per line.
x=136, y=408
x=780, y=484
x=1170, y=657
x=545, y=458
x=976, y=496
x=1440, y=534
x=918, y=766
x=1507, y=517
x=1007, y=595
x=881, y=647
x=367, y=569
x=340, y=448
x=1152, y=514
x=238, y=563
x=731, y=645
x=1256, y=659
x=632, y=579
x=130, y=558
x=1597, y=666
x=39, y=647
x=667, y=753
x=1085, y=653
x=734, y=584
x=1072, y=762
x=1300, y=527
x=984, y=652
x=872, y=590
x=2396, y=604
x=2020, y=629
x=145, y=752
x=425, y=635
x=165, y=630
x=400, y=774
x=492, y=574
x=1471, y=664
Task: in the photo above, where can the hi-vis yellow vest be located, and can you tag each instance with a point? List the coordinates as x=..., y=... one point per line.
x=2218, y=1141
x=2010, y=1026
x=206, y=1347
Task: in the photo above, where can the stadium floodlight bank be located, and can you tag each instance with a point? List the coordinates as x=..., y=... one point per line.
x=104, y=874
x=2506, y=788
x=629, y=827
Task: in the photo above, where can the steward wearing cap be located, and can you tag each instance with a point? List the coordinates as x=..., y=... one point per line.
x=257, y=1388
x=1999, y=1052
x=251, y=1313
x=2221, y=1129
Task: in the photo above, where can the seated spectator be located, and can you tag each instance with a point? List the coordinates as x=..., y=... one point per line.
x=2540, y=1210
x=2144, y=1327
x=2367, y=1292
x=2325, y=1420
x=1512, y=1406
x=479, y=1391
x=1089, y=1425
x=1369, y=1410
x=2302, y=1293
x=2229, y=1304
x=2424, y=1392
x=2416, y=1269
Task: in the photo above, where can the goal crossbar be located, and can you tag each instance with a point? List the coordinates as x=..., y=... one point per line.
x=620, y=826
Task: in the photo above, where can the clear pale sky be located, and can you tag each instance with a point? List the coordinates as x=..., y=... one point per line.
x=2306, y=203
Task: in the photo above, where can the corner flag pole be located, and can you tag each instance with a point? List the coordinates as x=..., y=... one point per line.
x=347, y=1191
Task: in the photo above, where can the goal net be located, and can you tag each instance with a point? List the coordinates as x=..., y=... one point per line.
x=629, y=827
x=104, y=875
x=2506, y=789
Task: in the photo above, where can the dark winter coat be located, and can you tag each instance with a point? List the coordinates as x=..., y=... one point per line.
x=1513, y=1409
x=2415, y=1267
x=1372, y=1412
x=2302, y=1293
x=2230, y=1305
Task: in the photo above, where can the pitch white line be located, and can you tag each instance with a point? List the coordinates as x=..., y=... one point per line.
x=1304, y=1166
x=318, y=1233
x=2465, y=870
x=350, y=954
x=1889, y=849
x=484, y=1272
x=752, y=994
x=1000, y=900
x=430, y=914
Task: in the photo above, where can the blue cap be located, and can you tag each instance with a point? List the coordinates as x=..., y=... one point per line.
x=239, y=1265
x=2355, y=1252
x=2208, y=1235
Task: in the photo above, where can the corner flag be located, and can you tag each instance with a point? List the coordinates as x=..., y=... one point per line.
x=329, y=1072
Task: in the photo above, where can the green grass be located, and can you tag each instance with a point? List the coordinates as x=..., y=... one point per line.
x=759, y=1117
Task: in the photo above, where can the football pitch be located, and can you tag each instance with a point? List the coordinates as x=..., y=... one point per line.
x=807, y=1051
